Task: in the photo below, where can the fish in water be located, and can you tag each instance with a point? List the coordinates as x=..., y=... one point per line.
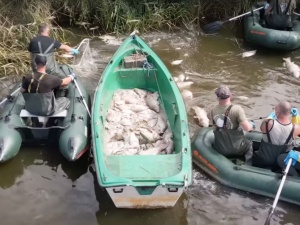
x=244, y=98
x=292, y=68
x=248, y=54
x=94, y=28
x=181, y=77
x=201, y=116
x=82, y=23
x=187, y=95
x=177, y=62
x=134, y=33
x=184, y=85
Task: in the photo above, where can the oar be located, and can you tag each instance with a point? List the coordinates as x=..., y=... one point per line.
x=81, y=96
x=213, y=27
x=9, y=96
x=279, y=191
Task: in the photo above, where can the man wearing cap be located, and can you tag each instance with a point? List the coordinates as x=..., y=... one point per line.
x=37, y=90
x=43, y=44
x=229, y=121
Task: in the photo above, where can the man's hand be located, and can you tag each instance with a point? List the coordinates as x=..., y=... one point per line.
x=73, y=76
x=253, y=124
x=74, y=51
x=292, y=155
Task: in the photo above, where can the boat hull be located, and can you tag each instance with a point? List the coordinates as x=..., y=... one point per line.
x=237, y=175
x=258, y=35
x=142, y=181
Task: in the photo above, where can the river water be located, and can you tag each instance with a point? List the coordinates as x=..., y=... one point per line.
x=38, y=186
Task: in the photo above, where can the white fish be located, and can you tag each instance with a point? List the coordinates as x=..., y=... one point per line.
x=151, y=101
x=178, y=48
x=130, y=99
x=248, y=54
x=132, y=140
x=177, y=62
x=113, y=116
x=94, y=28
x=151, y=151
x=137, y=108
x=152, y=122
x=167, y=137
x=292, y=68
x=201, y=116
x=243, y=98
x=125, y=122
x=67, y=55
x=186, y=55
x=82, y=23
x=134, y=32
x=161, y=125
x=187, y=95
x=181, y=77
x=140, y=92
x=149, y=135
x=184, y=85
x=113, y=42
x=176, y=79
x=107, y=37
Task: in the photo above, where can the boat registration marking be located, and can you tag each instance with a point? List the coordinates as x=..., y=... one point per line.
x=205, y=162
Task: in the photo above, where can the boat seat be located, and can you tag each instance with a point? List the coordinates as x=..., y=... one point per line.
x=25, y=113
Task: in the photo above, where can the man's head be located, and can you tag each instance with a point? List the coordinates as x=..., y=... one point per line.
x=40, y=60
x=283, y=109
x=44, y=29
x=223, y=92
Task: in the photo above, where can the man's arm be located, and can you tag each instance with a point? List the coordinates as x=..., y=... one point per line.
x=241, y=117
x=66, y=81
x=67, y=48
x=269, y=9
x=246, y=125
x=296, y=131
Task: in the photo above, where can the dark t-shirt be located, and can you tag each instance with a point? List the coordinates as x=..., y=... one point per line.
x=47, y=84
x=45, y=43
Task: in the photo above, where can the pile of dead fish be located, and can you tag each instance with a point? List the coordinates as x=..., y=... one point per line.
x=137, y=125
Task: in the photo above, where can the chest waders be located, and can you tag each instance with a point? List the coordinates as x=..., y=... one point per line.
x=268, y=153
x=230, y=142
x=43, y=104
x=279, y=20
x=51, y=67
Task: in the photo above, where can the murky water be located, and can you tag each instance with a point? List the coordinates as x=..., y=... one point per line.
x=39, y=187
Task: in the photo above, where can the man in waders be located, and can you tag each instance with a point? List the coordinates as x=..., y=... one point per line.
x=278, y=134
x=43, y=44
x=279, y=14
x=37, y=90
x=229, y=121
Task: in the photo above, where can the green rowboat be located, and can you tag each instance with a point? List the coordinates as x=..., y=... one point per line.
x=71, y=132
x=233, y=173
x=142, y=181
x=258, y=35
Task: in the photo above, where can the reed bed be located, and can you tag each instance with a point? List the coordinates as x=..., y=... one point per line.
x=19, y=20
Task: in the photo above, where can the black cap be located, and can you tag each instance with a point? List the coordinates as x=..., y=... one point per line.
x=40, y=60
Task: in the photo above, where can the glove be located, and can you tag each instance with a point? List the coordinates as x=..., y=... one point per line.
x=73, y=76
x=272, y=116
x=253, y=124
x=294, y=112
x=292, y=155
x=74, y=51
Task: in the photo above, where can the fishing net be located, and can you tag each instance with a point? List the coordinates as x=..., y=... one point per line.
x=84, y=64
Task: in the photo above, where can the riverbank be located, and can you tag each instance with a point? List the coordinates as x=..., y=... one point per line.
x=19, y=20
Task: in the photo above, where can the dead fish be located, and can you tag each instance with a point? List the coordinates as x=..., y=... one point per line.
x=248, y=54
x=184, y=85
x=107, y=37
x=292, y=68
x=113, y=42
x=178, y=48
x=201, y=116
x=187, y=95
x=125, y=122
x=140, y=92
x=151, y=101
x=67, y=55
x=148, y=135
x=137, y=108
x=243, y=98
x=176, y=79
x=82, y=23
x=134, y=33
x=176, y=62
x=151, y=151
x=186, y=55
x=161, y=125
x=94, y=28
x=181, y=77
x=113, y=116
x=133, y=140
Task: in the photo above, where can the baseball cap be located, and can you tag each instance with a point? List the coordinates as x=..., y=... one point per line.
x=223, y=92
x=40, y=60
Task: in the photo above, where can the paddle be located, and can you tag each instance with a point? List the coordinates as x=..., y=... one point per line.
x=10, y=95
x=81, y=97
x=279, y=191
x=213, y=27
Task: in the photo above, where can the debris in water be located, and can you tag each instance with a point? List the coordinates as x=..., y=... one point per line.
x=248, y=54
x=94, y=28
x=186, y=55
x=82, y=23
x=178, y=48
x=177, y=62
x=292, y=68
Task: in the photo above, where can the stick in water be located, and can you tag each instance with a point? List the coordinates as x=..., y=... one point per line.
x=279, y=191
